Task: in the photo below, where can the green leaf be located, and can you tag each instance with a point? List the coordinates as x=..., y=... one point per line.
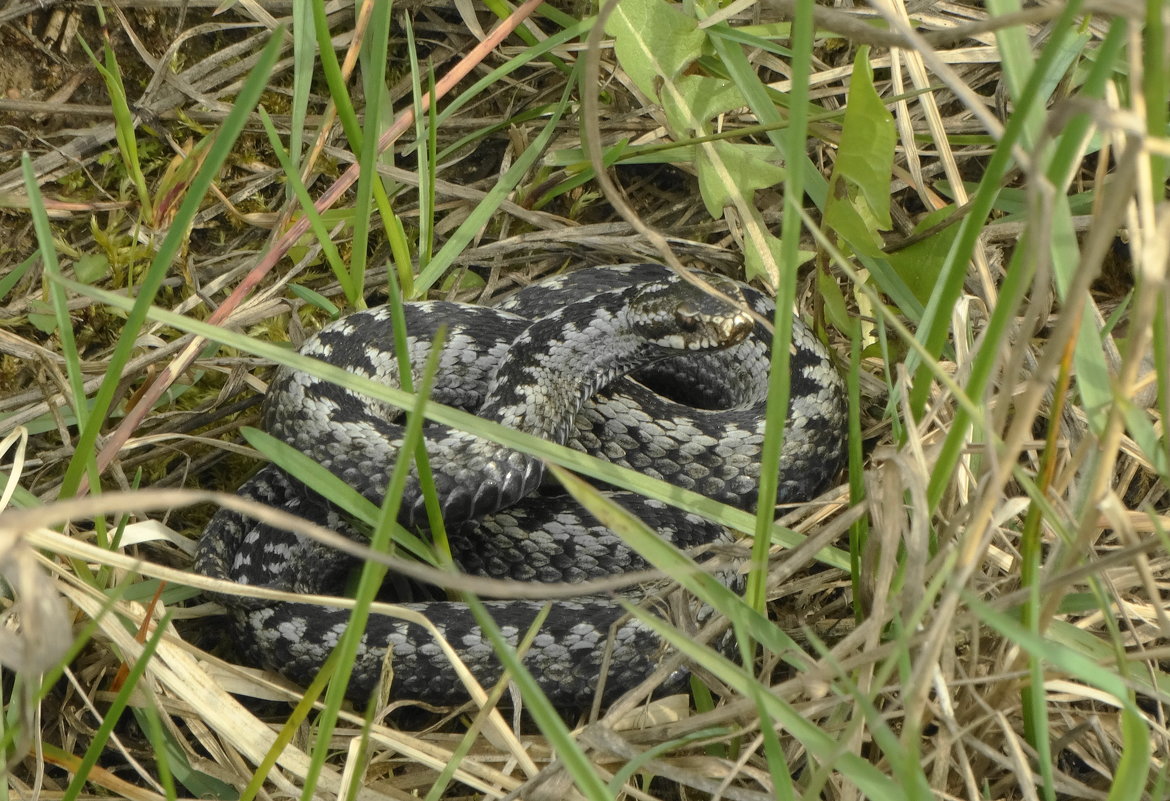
x=754, y=263
x=859, y=190
x=91, y=267
x=918, y=264
x=836, y=311
x=41, y=316
x=726, y=170
x=866, y=156
x=18, y=272
x=462, y=280
x=695, y=100
x=845, y=216
x=317, y=299
x=654, y=41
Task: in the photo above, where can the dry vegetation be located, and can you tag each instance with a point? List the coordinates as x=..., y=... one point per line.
x=976, y=612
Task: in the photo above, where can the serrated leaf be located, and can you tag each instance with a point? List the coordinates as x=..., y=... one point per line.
x=653, y=41
x=725, y=169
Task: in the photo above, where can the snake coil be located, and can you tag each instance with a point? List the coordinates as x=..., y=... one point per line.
x=551, y=361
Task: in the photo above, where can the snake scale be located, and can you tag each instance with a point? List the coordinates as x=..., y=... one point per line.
x=558, y=359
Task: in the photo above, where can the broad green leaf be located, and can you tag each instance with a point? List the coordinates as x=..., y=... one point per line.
x=859, y=190
x=918, y=264
x=836, y=311
x=726, y=170
x=866, y=154
x=654, y=41
x=845, y=215
x=41, y=315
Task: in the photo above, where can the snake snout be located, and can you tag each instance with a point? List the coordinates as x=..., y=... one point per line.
x=736, y=328
x=708, y=329
x=724, y=320
x=679, y=315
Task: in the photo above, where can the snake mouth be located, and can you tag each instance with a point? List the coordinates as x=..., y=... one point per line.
x=707, y=332
x=703, y=329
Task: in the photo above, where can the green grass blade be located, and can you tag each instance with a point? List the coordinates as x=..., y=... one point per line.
x=301, y=193
x=1019, y=272
x=1132, y=774
x=479, y=217
x=372, y=573
x=576, y=763
x=934, y=325
x=124, y=130
x=64, y=325
x=168, y=250
x=304, y=59
x=821, y=746
x=373, y=60
x=114, y=713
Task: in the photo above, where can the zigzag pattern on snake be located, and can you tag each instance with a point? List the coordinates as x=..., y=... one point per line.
x=551, y=360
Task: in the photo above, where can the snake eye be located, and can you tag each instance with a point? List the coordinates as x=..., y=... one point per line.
x=687, y=316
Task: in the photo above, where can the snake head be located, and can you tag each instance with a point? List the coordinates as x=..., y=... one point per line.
x=675, y=314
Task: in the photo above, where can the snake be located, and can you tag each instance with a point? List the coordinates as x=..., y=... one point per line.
x=628, y=362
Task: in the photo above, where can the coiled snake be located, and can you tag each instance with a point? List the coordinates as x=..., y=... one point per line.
x=550, y=361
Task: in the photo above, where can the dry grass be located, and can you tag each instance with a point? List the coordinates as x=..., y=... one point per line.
x=1001, y=633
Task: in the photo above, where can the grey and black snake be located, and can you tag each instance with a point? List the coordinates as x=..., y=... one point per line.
x=551, y=360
